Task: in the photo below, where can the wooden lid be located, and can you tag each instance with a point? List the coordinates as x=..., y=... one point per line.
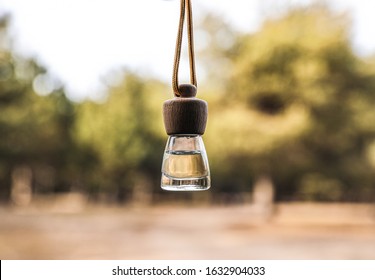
x=186, y=114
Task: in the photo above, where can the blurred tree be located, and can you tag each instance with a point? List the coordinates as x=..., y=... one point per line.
x=124, y=132
x=215, y=43
x=298, y=110
x=34, y=129
x=294, y=108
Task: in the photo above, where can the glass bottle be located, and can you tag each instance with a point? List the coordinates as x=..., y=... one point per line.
x=185, y=165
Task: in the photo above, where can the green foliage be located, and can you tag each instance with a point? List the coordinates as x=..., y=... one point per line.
x=124, y=132
x=34, y=130
x=299, y=101
x=291, y=102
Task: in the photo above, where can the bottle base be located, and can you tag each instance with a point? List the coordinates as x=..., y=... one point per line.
x=185, y=184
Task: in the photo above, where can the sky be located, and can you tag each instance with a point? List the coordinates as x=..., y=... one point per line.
x=82, y=41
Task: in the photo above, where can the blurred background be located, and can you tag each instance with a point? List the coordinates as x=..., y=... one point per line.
x=290, y=136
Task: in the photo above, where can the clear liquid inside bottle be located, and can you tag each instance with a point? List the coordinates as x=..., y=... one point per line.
x=185, y=165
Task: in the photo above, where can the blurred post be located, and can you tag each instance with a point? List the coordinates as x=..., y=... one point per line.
x=21, y=189
x=142, y=192
x=263, y=197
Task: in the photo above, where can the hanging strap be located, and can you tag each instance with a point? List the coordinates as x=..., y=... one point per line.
x=185, y=7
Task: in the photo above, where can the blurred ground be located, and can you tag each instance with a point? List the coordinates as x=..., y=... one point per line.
x=295, y=231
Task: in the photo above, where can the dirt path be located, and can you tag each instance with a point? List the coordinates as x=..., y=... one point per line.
x=180, y=233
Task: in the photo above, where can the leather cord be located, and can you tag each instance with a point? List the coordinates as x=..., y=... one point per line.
x=186, y=8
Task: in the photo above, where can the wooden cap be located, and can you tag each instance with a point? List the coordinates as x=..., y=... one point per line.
x=186, y=114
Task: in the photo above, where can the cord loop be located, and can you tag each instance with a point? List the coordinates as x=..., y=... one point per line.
x=185, y=8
